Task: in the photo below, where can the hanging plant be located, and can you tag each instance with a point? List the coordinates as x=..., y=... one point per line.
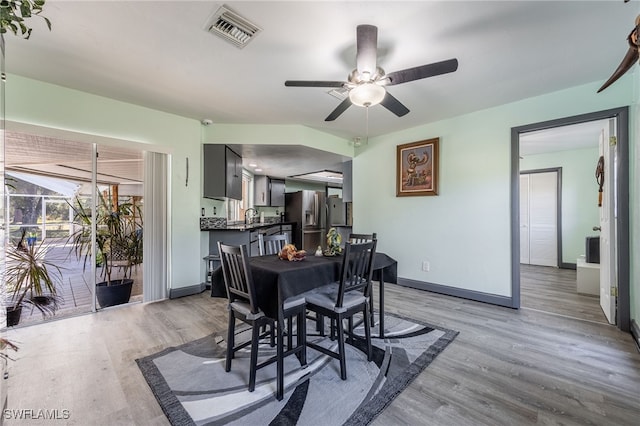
x=14, y=12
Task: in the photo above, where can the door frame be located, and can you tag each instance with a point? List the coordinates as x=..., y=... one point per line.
x=623, y=314
x=558, y=172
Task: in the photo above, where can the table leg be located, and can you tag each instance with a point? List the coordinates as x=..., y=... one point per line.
x=381, y=307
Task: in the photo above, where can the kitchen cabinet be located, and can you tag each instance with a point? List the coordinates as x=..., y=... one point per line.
x=268, y=192
x=222, y=172
x=347, y=181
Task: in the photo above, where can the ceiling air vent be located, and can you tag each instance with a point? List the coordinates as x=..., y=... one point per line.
x=232, y=27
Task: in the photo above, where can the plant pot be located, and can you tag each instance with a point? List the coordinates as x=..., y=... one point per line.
x=42, y=300
x=13, y=315
x=117, y=293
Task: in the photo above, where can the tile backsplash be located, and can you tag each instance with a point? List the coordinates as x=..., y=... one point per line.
x=213, y=223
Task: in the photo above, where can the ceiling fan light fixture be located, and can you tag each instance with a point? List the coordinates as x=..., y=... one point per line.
x=367, y=94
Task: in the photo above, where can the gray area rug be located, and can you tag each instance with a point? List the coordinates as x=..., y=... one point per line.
x=192, y=387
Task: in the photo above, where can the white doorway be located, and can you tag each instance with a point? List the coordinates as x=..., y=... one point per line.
x=539, y=212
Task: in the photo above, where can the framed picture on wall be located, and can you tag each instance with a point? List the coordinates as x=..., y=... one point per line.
x=417, y=170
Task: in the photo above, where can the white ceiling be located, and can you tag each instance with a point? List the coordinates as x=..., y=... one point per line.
x=564, y=138
x=158, y=54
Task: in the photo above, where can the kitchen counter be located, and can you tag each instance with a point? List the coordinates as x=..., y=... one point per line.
x=220, y=224
x=248, y=227
x=241, y=234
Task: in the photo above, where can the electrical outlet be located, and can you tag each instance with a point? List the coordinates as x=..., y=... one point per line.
x=426, y=266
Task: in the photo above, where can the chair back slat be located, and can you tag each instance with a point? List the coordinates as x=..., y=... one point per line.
x=356, y=269
x=362, y=238
x=271, y=244
x=237, y=274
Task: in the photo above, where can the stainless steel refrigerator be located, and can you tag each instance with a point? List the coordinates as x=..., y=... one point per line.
x=307, y=209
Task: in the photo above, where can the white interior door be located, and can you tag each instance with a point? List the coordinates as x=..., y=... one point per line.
x=543, y=219
x=608, y=274
x=524, y=218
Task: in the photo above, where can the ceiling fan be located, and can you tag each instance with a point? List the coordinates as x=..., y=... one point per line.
x=367, y=83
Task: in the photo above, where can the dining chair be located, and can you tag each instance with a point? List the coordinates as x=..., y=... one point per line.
x=363, y=238
x=343, y=299
x=243, y=305
x=271, y=244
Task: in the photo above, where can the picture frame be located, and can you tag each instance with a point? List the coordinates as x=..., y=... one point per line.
x=417, y=168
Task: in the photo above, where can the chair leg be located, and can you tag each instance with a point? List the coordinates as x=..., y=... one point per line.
x=289, y=333
x=350, y=333
x=272, y=341
x=367, y=332
x=280, y=363
x=230, y=340
x=341, y=350
x=332, y=328
x=255, y=336
x=301, y=334
x=320, y=324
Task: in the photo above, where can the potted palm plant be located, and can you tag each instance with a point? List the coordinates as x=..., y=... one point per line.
x=31, y=280
x=118, y=244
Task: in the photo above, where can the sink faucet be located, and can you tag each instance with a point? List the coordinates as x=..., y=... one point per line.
x=246, y=214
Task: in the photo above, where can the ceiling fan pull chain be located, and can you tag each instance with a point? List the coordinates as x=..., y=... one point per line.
x=367, y=127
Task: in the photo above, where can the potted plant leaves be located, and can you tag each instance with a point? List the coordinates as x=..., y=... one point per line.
x=118, y=243
x=31, y=280
x=14, y=12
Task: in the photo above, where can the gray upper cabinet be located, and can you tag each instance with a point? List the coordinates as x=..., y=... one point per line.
x=347, y=179
x=260, y=190
x=268, y=192
x=222, y=172
x=277, y=192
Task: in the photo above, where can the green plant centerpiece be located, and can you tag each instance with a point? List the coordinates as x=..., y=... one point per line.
x=118, y=244
x=334, y=241
x=14, y=12
x=31, y=280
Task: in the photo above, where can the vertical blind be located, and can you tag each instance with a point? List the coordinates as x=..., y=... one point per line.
x=156, y=236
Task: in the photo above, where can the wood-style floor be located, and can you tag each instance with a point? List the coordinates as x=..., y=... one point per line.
x=507, y=367
x=554, y=290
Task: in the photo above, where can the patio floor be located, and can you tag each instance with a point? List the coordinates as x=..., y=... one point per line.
x=75, y=291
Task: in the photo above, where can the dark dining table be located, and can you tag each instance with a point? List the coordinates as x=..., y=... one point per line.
x=277, y=280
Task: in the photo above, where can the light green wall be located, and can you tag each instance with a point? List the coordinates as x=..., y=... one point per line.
x=465, y=231
x=579, y=195
x=298, y=185
x=271, y=134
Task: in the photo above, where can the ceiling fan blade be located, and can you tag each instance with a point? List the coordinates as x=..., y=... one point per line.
x=311, y=83
x=339, y=110
x=367, y=49
x=423, y=71
x=394, y=105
